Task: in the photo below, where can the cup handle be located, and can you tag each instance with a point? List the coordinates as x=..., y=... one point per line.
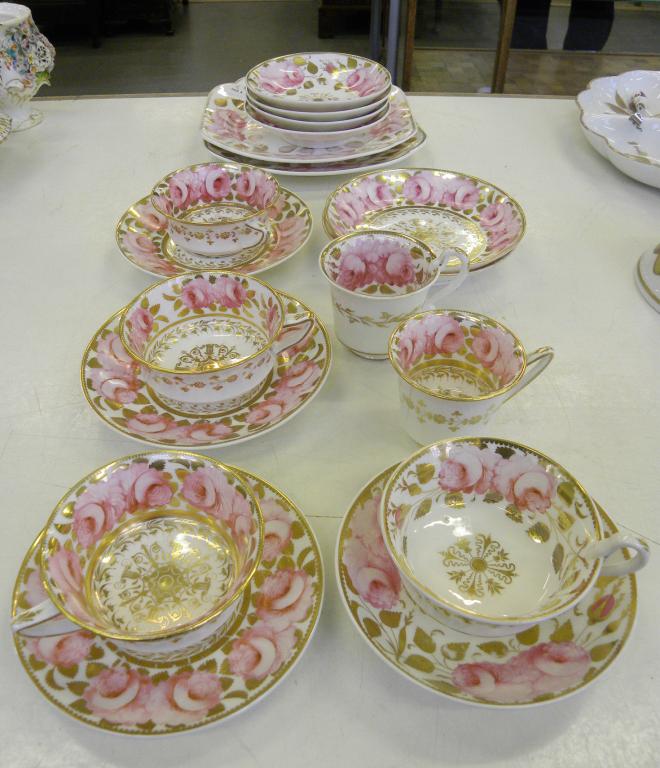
x=537, y=362
x=296, y=326
x=456, y=278
x=606, y=547
x=42, y=620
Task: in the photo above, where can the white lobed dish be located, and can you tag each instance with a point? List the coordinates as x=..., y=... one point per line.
x=606, y=108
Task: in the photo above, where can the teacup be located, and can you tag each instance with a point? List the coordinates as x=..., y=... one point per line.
x=152, y=551
x=218, y=210
x=379, y=278
x=208, y=342
x=456, y=368
x=497, y=534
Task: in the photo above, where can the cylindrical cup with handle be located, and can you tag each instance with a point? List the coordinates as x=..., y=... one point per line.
x=208, y=341
x=152, y=551
x=377, y=279
x=456, y=368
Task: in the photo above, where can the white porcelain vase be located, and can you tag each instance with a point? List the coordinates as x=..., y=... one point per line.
x=26, y=61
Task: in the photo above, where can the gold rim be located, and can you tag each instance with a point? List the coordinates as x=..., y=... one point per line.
x=135, y=302
x=251, y=73
x=488, y=321
x=389, y=233
x=646, y=287
x=327, y=225
x=164, y=633
x=650, y=161
x=403, y=565
x=228, y=165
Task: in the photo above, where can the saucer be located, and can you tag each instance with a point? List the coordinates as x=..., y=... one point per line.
x=545, y=663
x=112, y=384
x=372, y=162
x=88, y=679
x=647, y=277
x=142, y=237
x=228, y=126
x=444, y=209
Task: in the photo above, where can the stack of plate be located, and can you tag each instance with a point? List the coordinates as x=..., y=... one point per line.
x=312, y=113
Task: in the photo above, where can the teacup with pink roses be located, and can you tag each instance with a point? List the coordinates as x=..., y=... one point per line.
x=377, y=279
x=456, y=368
x=217, y=210
x=151, y=551
x=497, y=533
x=207, y=342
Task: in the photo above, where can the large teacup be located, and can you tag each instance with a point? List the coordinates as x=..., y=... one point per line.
x=152, y=551
x=207, y=342
x=455, y=369
x=496, y=534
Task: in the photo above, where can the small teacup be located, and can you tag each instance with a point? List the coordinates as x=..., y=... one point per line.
x=152, y=551
x=496, y=534
x=208, y=342
x=379, y=278
x=456, y=368
x=218, y=210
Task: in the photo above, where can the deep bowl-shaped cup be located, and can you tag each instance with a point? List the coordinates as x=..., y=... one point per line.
x=496, y=533
x=208, y=341
x=218, y=210
x=455, y=369
x=379, y=278
x=152, y=551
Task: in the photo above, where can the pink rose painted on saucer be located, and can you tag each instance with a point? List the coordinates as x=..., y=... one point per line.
x=501, y=224
x=261, y=651
x=279, y=76
x=184, y=698
x=285, y=598
x=229, y=124
x=277, y=529
x=61, y=650
x=120, y=695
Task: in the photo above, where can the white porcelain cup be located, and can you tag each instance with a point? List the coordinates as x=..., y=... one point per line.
x=456, y=368
x=377, y=279
x=208, y=341
x=139, y=553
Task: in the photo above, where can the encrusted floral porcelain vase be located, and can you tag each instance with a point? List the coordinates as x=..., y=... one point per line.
x=26, y=61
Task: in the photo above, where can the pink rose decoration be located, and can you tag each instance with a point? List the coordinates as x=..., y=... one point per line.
x=151, y=424
x=412, y=343
x=184, y=698
x=97, y=511
x=600, y=609
x=501, y=224
x=150, y=218
x=493, y=682
x=524, y=482
x=375, y=194
x=204, y=432
x=280, y=76
x=460, y=193
x=143, y=486
x=119, y=695
x=198, y=293
x=179, y=188
x=209, y=490
x=139, y=245
x=35, y=592
x=468, y=469
x=111, y=353
x=261, y=651
x=267, y=411
x=229, y=292
x=444, y=334
x=399, y=267
x=228, y=124
x=61, y=650
x=494, y=348
x=298, y=380
x=64, y=570
x=255, y=188
x=352, y=272
x=277, y=528
x=365, y=81
x=350, y=209
x=423, y=187
x=285, y=598
x=217, y=184
x=141, y=323
x=116, y=387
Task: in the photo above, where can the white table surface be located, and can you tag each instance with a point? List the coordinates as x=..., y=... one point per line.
x=596, y=410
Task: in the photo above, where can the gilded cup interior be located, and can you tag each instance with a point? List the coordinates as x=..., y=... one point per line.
x=152, y=545
x=209, y=194
x=457, y=355
x=490, y=529
x=205, y=321
x=379, y=264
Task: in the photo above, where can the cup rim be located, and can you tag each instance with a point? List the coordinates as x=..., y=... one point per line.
x=406, y=571
x=440, y=262
x=458, y=398
x=163, y=634
x=123, y=315
x=236, y=167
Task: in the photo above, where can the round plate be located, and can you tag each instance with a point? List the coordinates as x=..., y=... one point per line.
x=316, y=126
x=227, y=125
x=118, y=395
x=154, y=699
x=142, y=237
x=546, y=663
x=340, y=168
x=647, y=277
x=444, y=209
x=317, y=82
x=341, y=114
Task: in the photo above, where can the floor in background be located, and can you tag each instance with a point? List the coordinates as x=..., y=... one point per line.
x=544, y=72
